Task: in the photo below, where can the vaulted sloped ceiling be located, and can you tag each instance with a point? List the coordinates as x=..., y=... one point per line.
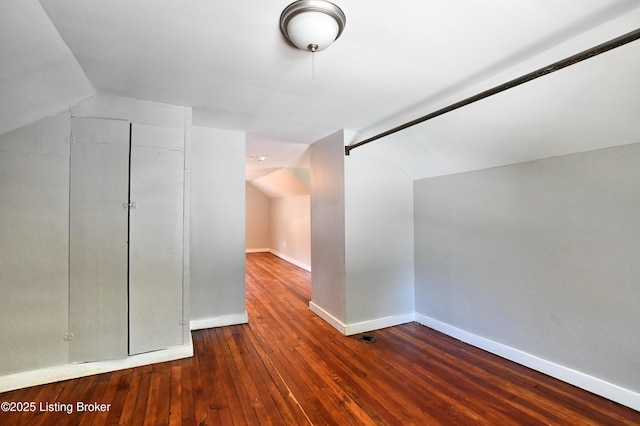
x=395, y=61
x=281, y=183
x=591, y=105
x=39, y=76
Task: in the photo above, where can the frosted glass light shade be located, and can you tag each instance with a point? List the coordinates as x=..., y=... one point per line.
x=312, y=29
x=312, y=24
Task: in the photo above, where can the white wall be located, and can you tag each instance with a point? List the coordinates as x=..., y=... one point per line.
x=217, y=227
x=258, y=220
x=362, y=237
x=379, y=240
x=34, y=245
x=541, y=257
x=290, y=229
x=328, y=280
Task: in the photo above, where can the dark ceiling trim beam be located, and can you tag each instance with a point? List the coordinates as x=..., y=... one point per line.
x=589, y=53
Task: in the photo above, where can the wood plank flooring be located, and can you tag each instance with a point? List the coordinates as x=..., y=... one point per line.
x=288, y=367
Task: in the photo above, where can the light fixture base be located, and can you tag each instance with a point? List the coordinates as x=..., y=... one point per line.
x=312, y=25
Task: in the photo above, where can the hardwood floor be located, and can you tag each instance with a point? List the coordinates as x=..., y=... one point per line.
x=288, y=367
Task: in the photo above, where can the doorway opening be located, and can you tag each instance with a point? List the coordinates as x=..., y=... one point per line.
x=278, y=214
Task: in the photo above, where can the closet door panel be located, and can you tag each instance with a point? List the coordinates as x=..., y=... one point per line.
x=98, y=239
x=156, y=238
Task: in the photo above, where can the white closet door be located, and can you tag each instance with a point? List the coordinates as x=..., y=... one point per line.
x=98, y=239
x=156, y=238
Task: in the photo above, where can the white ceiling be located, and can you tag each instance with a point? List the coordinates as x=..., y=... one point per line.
x=395, y=61
x=281, y=183
x=38, y=74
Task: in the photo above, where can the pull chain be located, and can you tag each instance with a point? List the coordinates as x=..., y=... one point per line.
x=313, y=47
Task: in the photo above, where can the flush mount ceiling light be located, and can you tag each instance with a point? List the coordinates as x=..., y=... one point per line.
x=312, y=25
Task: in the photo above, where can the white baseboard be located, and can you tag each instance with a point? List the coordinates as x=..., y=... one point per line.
x=333, y=321
x=291, y=260
x=257, y=250
x=281, y=256
x=360, y=327
x=584, y=381
x=221, y=321
x=378, y=323
x=73, y=371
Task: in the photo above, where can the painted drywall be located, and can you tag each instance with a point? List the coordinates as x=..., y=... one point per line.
x=290, y=229
x=34, y=245
x=281, y=183
x=136, y=111
x=362, y=237
x=39, y=76
x=328, y=281
x=378, y=237
x=302, y=173
x=541, y=257
x=258, y=219
x=217, y=223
